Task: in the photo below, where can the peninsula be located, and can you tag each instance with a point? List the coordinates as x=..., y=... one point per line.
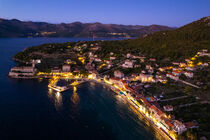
x=164, y=75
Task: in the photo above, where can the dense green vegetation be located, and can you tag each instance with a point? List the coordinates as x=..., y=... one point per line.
x=165, y=45
x=174, y=45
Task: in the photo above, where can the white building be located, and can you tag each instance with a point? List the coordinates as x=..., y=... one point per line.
x=128, y=55
x=22, y=72
x=37, y=61
x=97, y=60
x=118, y=74
x=188, y=74
x=127, y=64
x=84, y=45
x=205, y=64
x=66, y=68
x=204, y=54
x=168, y=108
x=190, y=68
x=152, y=59
x=175, y=63
x=112, y=58
x=172, y=76
x=179, y=127
x=109, y=66
x=187, y=60
x=149, y=67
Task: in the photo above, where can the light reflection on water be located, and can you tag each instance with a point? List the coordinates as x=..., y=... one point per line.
x=120, y=102
x=148, y=126
x=75, y=98
x=56, y=98
x=58, y=101
x=96, y=107
x=92, y=84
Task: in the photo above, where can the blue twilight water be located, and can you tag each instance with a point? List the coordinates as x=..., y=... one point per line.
x=29, y=111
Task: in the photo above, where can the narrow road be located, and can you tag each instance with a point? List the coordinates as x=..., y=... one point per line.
x=118, y=65
x=173, y=98
x=189, y=84
x=185, y=105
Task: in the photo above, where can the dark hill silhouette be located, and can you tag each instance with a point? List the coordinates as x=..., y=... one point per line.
x=17, y=28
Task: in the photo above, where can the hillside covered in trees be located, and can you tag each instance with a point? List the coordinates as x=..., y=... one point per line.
x=166, y=45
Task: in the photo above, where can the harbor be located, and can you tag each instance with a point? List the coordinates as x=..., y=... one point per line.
x=126, y=96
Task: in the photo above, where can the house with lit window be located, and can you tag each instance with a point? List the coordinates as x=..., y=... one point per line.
x=168, y=108
x=66, y=68
x=179, y=127
x=188, y=74
x=118, y=74
x=146, y=78
x=171, y=76
x=190, y=68
x=127, y=64
x=166, y=123
x=176, y=72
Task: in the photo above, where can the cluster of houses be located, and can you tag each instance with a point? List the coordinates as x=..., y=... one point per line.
x=186, y=68
x=127, y=83
x=149, y=108
x=65, y=68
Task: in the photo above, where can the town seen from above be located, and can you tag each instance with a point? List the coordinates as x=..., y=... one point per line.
x=170, y=94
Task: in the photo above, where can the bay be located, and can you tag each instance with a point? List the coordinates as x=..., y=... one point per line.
x=28, y=110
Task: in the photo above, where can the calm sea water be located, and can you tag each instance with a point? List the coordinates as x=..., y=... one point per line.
x=29, y=111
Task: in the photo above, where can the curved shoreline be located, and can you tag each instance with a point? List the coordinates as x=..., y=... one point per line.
x=160, y=131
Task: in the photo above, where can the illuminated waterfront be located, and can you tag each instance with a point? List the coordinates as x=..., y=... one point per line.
x=92, y=111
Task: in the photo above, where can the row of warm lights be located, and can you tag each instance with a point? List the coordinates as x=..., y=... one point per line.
x=189, y=64
x=141, y=108
x=102, y=65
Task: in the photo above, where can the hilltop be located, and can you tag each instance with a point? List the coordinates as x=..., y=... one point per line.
x=166, y=45
x=17, y=28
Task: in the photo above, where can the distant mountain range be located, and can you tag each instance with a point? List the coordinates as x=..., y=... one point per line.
x=17, y=28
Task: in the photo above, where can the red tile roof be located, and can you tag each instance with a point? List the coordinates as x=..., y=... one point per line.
x=167, y=121
x=145, y=101
x=189, y=124
x=159, y=112
x=175, y=71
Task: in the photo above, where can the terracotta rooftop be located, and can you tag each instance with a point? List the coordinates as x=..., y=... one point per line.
x=189, y=124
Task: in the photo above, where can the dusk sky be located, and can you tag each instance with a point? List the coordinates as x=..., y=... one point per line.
x=141, y=12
